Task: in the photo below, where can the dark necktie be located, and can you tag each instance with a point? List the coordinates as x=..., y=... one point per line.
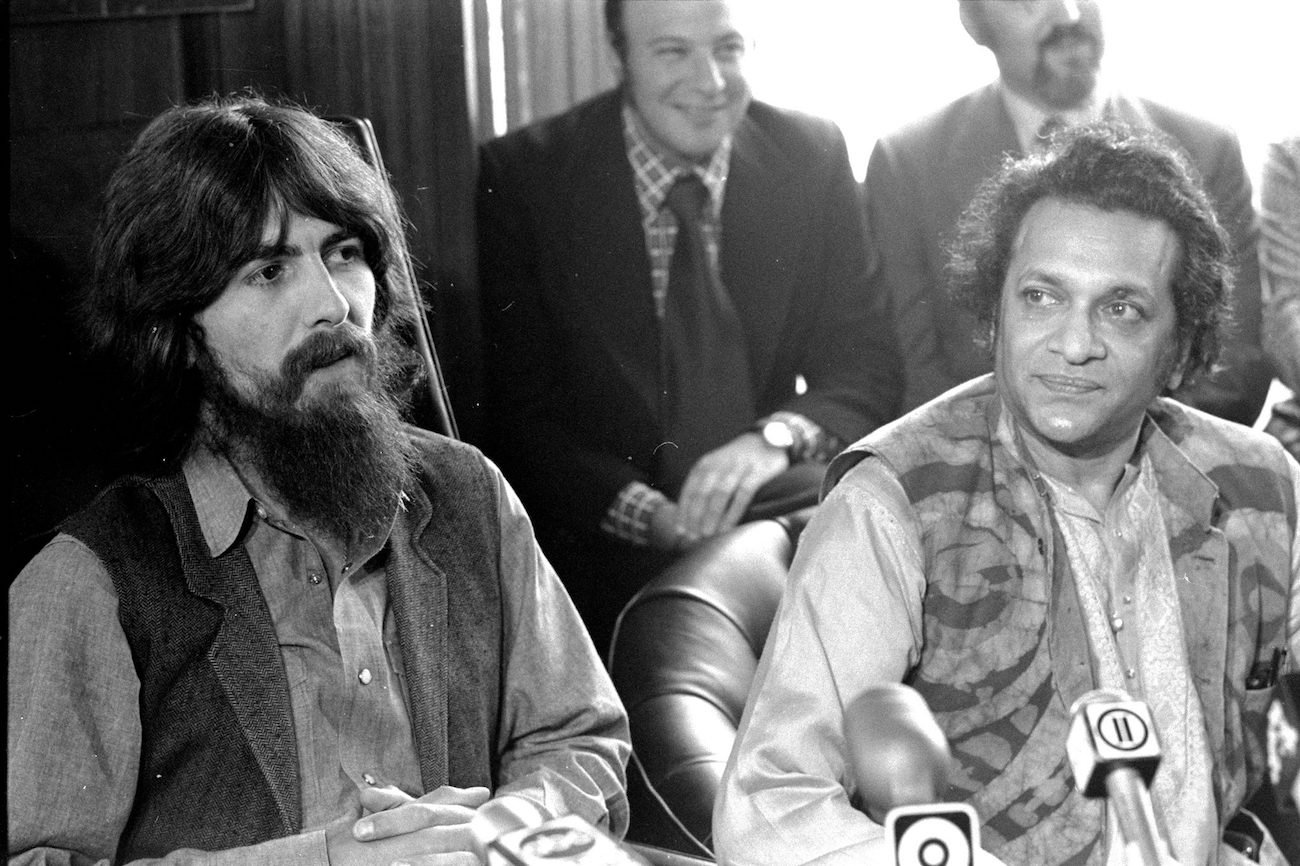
x=706, y=389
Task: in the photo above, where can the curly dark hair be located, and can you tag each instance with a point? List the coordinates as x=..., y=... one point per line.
x=1113, y=167
x=184, y=211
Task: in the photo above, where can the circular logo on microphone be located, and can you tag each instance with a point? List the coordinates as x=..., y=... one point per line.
x=1122, y=729
x=936, y=835
x=557, y=842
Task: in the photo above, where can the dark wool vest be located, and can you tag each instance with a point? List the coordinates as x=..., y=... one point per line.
x=218, y=761
x=1005, y=648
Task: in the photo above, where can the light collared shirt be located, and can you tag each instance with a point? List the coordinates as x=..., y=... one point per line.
x=75, y=730
x=337, y=637
x=1129, y=599
x=851, y=617
x=1028, y=118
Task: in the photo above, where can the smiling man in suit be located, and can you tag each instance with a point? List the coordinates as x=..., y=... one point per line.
x=923, y=175
x=679, y=326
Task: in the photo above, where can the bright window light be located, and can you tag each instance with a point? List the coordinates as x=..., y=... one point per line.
x=872, y=65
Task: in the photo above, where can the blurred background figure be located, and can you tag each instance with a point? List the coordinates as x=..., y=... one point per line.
x=1279, y=255
x=678, y=326
x=921, y=176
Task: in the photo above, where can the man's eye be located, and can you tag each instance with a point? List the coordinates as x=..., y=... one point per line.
x=267, y=273
x=348, y=252
x=730, y=51
x=1123, y=310
x=1035, y=297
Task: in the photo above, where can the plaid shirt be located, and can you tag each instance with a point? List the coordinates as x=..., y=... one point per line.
x=628, y=517
x=653, y=180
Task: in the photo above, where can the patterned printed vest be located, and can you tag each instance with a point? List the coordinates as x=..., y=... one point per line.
x=1005, y=652
x=218, y=756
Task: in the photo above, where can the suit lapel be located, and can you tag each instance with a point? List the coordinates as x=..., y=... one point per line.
x=604, y=258
x=758, y=247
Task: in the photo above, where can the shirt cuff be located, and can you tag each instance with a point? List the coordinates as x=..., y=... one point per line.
x=628, y=518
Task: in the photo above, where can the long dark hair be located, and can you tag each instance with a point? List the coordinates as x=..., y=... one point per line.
x=183, y=212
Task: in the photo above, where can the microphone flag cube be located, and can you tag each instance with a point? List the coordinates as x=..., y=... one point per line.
x=933, y=834
x=1108, y=733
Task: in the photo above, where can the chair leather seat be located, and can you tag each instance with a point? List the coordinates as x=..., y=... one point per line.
x=683, y=657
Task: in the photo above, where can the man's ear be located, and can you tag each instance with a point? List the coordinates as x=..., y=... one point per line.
x=1175, y=379
x=614, y=58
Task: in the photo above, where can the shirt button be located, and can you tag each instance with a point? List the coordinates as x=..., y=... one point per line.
x=1130, y=673
x=314, y=578
x=1117, y=623
x=261, y=512
x=365, y=676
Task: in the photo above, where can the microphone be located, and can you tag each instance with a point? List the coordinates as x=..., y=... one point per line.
x=1113, y=752
x=511, y=831
x=901, y=760
x=1283, y=744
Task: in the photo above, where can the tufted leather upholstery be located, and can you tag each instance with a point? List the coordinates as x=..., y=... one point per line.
x=683, y=656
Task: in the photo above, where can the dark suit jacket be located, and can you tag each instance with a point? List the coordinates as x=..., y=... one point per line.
x=570, y=331
x=921, y=178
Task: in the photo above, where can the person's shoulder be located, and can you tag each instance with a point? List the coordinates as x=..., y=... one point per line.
x=1183, y=125
x=555, y=135
x=64, y=568
x=438, y=452
x=1215, y=444
x=954, y=427
x=934, y=129
x=790, y=123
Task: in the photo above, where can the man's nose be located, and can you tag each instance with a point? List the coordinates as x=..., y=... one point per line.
x=1058, y=12
x=328, y=305
x=1077, y=339
x=706, y=73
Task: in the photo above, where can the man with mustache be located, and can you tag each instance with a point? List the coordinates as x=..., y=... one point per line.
x=301, y=631
x=678, y=327
x=1035, y=534
x=923, y=175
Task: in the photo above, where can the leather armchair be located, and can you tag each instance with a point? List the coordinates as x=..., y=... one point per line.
x=683, y=656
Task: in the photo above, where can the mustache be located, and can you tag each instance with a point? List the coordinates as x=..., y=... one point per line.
x=1062, y=32
x=324, y=348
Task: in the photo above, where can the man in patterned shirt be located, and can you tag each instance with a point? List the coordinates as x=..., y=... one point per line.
x=1055, y=527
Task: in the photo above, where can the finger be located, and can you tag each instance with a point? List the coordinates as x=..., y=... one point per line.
x=690, y=501
x=716, y=502
x=408, y=818
x=740, y=501
x=383, y=797
x=457, y=858
x=449, y=795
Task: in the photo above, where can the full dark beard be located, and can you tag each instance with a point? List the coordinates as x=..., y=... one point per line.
x=337, y=463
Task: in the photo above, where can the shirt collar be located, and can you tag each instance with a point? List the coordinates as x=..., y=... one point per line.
x=223, y=502
x=654, y=176
x=221, y=499
x=1027, y=117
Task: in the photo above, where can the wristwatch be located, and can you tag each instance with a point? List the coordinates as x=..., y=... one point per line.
x=778, y=434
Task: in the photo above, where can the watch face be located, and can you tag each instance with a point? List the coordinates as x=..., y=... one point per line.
x=778, y=434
